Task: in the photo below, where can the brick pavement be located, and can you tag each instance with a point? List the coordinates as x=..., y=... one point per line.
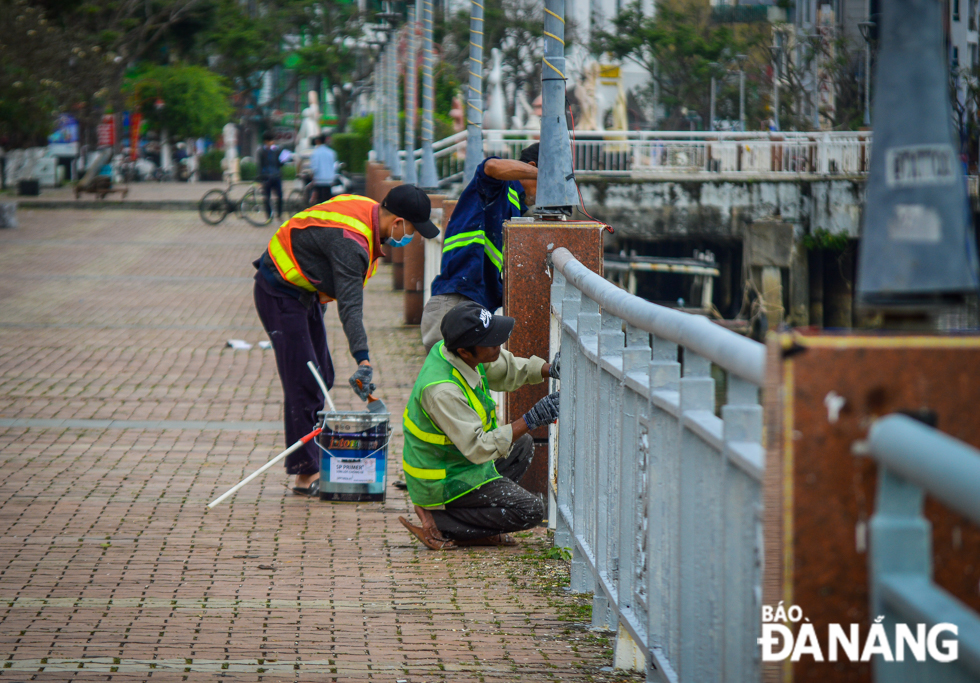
x=122, y=413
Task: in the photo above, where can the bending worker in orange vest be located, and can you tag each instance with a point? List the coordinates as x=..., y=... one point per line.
x=327, y=253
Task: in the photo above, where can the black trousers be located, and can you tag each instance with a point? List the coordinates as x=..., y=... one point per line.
x=297, y=336
x=499, y=506
x=268, y=185
x=320, y=194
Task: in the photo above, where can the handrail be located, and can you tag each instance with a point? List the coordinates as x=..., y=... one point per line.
x=733, y=352
x=950, y=473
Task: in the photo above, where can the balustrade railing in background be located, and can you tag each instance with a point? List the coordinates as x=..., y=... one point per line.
x=655, y=483
x=649, y=153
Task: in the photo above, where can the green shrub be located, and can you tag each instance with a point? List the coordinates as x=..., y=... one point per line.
x=248, y=170
x=352, y=149
x=289, y=172
x=210, y=164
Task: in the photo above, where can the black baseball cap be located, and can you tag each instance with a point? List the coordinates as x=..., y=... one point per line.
x=412, y=204
x=470, y=324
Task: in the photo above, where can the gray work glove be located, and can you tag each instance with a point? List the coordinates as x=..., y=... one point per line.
x=543, y=413
x=555, y=369
x=361, y=382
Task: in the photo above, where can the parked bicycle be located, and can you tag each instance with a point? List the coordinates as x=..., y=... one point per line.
x=215, y=205
x=302, y=198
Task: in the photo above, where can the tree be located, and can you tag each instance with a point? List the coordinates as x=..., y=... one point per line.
x=78, y=51
x=195, y=102
x=682, y=48
x=516, y=28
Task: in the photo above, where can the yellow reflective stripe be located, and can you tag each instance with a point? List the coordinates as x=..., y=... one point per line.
x=438, y=439
x=286, y=266
x=464, y=236
x=465, y=239
x=420, y=473
x=473, y=400
x=514, y=198
x=336, y=218
x=496, y=257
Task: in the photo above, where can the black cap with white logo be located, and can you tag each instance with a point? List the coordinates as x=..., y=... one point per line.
x=470, y=324
x=412, y=204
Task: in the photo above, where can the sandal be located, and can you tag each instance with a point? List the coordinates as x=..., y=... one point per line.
x=427, y=541
x=313, y=490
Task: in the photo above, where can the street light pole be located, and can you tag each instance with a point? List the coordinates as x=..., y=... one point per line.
x=741, y=90
x=474, y=98
x=410, y=97
x=427, y=179
x=711, y=112
x=557, y=193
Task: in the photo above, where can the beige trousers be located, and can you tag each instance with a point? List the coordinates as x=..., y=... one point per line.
x=433, y=313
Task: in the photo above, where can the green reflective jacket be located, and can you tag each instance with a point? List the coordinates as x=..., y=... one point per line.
x=435, y=470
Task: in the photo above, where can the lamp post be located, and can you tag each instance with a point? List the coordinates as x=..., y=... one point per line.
x=741, y=90
x=557, y=193
x=777, y=58
x=410, y=98
x=474, y=98
x=711, y=109
x=867, y=29
x=427, y=178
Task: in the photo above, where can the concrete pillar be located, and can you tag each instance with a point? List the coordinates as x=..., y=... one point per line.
x=415, y=268
x=527, y=297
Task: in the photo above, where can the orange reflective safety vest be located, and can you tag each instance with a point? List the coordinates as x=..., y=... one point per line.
x=349, y=212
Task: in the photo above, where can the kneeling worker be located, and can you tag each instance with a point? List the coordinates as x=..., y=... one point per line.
x=461, y=468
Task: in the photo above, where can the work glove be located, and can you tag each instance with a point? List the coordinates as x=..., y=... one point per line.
x=361, y=382
x=543, y=413
x=555, y=369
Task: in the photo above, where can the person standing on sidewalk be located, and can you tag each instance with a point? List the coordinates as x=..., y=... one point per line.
x=326, y=253
x=462, y=469
x=323, y=163
x=472, y=252
x=270, y=173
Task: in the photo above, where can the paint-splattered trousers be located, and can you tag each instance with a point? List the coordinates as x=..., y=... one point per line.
x=499, y=506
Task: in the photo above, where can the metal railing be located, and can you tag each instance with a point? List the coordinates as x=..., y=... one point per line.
x=654, y=487
x=653, y=153
x=915, y=460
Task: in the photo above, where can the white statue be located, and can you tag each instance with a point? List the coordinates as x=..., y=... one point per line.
x=309, y=128
x=230, y=163
x=587, y=95
x=495, y=117
x=525, y=117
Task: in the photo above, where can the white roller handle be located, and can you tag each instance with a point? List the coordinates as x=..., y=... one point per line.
x=319, y=380
x=253, y=475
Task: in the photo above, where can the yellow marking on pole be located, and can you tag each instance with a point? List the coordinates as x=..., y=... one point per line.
x=552, y=66
x=552, y=35
x=554, y=15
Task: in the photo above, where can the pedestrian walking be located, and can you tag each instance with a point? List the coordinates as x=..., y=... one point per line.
x=270, y=173
x=323, y=163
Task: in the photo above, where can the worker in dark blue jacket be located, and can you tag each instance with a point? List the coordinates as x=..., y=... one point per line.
x=472, y=251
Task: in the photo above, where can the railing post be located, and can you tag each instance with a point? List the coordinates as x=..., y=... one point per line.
x=742, y=516
x=662, y=512
x=633, y=476
x=700, y=491
x=607, y=467
x=586, y=444
x=571, y=360
x=474, y=98
x=427, y=177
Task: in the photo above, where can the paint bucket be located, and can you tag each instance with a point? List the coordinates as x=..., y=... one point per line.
x=353, y=456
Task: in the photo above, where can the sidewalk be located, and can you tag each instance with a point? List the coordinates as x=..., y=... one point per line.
x=122, y=413
x=147, y=195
